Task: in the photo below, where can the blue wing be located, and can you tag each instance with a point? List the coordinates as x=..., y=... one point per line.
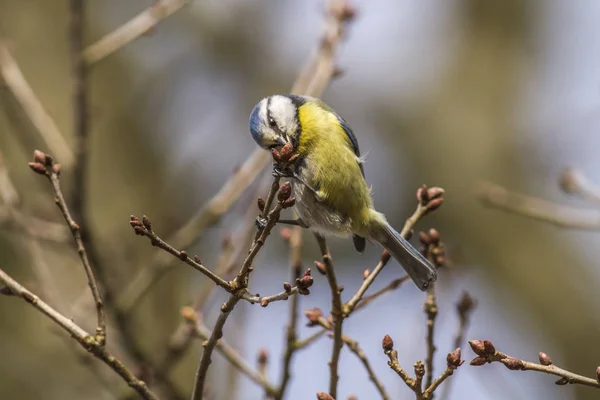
x=353, y=141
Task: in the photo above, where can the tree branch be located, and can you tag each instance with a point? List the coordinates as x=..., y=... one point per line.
x=336, y=312
x=44, y=165
x=564, y=216
x=200, y=331
x=32, y=106
x=354, y=348
x=87, y=341
x=133, y=29
x=429, y=199
x=487, y=353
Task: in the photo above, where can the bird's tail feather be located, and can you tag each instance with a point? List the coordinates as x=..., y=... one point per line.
x=418, y=268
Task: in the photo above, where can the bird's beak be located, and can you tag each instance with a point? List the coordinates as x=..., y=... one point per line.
x=281, y=141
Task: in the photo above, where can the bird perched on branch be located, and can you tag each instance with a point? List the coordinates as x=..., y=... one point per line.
x=332, y=196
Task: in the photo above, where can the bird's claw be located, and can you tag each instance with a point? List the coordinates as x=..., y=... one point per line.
x=278, y=172
x=260, y=222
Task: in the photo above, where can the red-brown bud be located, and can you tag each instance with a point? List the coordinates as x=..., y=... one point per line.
x=138, y=230
x=287, y=287
x=434, y=236
x=321, y=267
x=477, y=361
x=598, y=374
x=261, y=204
x=263, y=356
x=39, y=157
x=189, y=314
x=285, y=191
x=366, y=273
x=313, y=315
x=56, y=168
x=324, y=396
x=435, y=204
x=570, y=180
x=423, y=238
x=387, y=343
x=422, y=195
x=562, y=381
x=183, y=256
x=545, y=359
x=147, y=223
x=453, y=359
x=489, y=347
x=38, y=168
x=435, y=192
x=289, y=202
x=478, y=347
x=276, y=155
x=513, y=364
x=286, y=234
x=286, y=151
x=465, y=304
x=197, y=259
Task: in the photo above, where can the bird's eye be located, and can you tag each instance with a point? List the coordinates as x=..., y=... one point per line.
x=272, y=123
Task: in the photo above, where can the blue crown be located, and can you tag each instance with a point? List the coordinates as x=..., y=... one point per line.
x=255, y=123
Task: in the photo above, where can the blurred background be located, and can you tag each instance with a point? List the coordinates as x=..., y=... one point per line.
x=443, y=92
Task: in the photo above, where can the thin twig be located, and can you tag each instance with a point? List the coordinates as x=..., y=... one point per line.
x=32, y=106
x=487, y=353
x=464, y=308
x=355, y=348
x=240, y=284
x=188, y=234
x=574, y=182
x=199, y=330
x=133, y=29
x=295, y=243
x=302, y=343
x=233, y=254
x=431, y=309
x=145, y=229
x=209, y=346
x=393, y=285
x=536, y=208
x=336, y=313
x=351, y=304
x=44, y=165
x=87, y=341
x=394, y=364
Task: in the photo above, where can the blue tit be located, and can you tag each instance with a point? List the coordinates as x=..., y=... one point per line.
x=332, y=196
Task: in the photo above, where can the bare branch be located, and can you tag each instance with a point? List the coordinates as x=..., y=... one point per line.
x=144, y=228
x=32, y=106
x=431, y=309
x=44, y=165
x=464, y=308
x=87, y=341
x=429, y=199
x=487, y=353
x=336, y=312
x=240, y=285
x=564, y=216
x=574, y=182
x=295, y=243
x=355, y=348
x=200, y=331
x=133, y=29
